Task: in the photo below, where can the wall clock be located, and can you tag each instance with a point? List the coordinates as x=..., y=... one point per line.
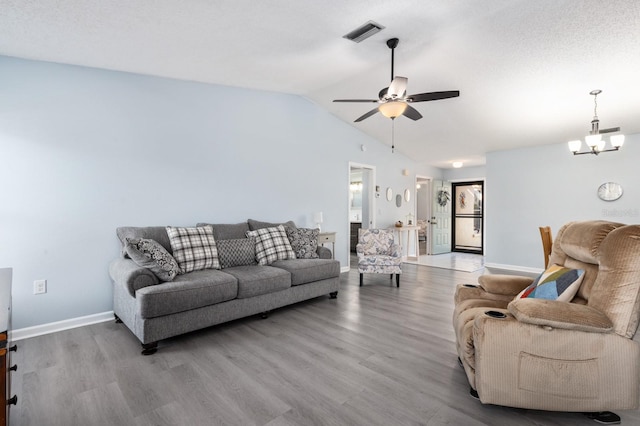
x=609, y=191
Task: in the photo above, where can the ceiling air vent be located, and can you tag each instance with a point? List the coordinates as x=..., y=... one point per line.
x=364, y=31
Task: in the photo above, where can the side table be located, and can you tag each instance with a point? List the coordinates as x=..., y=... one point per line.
x=328, y=237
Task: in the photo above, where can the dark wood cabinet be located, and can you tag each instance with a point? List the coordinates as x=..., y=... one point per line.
x=354, y=235
x=5, y=346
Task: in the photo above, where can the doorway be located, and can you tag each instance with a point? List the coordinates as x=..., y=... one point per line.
x=423, y=212
x=361, y=201
x=468, y=217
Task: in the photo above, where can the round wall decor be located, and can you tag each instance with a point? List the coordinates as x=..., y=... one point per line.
x=609, y=191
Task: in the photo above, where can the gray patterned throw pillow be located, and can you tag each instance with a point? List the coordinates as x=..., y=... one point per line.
x=304, y=242
x=236, y=252
x=151, y=255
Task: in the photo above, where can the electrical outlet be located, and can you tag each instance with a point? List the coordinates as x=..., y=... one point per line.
x=39, y=286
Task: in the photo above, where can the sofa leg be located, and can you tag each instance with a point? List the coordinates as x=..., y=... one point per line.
x=361, y=279
x=474, y=393
x=397, y=280
x=333, y=294
x=265, y=314
x=604, y=417
x=118, y=320
x=149, y=348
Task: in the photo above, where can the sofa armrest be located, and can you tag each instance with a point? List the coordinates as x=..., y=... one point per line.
x=324, y=253
x=508, y=285
x=133, y=277
x=564, y=315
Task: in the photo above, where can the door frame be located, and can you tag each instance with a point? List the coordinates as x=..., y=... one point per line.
x=370, y=188
x=429, y=182
x=455, y=183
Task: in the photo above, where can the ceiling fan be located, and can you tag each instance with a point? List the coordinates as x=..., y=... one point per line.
x=393, y=100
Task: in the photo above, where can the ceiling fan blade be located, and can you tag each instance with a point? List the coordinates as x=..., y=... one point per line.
x=611, y=130
x=433, y=96
x=355, y=100
x=412, y=113
x=367, y=115
x=398, y=87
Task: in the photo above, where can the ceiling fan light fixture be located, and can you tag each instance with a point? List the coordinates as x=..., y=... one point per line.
x=457, y=164
x=392, y=109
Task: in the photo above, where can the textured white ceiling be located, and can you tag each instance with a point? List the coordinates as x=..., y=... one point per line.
x=524, y=68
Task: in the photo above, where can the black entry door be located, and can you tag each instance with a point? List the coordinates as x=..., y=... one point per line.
x=468, y=217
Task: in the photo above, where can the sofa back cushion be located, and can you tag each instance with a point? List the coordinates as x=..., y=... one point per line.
x=228, y=231
x=576, y=246
x=254, y=225
x=157, y=233
x=608, y=253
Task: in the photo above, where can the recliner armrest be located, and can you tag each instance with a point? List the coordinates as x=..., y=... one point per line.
x=127, y=273
x=564, y=315
x=508, y=285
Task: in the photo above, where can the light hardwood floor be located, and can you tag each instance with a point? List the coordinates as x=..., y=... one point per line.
x=376, y=355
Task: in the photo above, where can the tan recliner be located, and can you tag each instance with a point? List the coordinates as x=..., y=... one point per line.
x=559, y=356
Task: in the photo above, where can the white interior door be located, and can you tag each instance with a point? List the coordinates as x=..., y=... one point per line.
x=440, y=221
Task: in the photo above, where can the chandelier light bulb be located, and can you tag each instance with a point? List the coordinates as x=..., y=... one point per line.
x=593, y=140
x=574, y=146
x=617, y=141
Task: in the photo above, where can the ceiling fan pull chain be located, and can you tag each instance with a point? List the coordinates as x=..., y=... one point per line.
x=393, y=128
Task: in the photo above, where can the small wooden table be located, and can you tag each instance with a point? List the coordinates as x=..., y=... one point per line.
x=410, y=229
x=328, y=237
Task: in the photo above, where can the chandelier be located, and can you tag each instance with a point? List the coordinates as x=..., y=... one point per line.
x=593, y=141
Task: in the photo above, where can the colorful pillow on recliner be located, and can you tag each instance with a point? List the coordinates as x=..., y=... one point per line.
x=556, y=283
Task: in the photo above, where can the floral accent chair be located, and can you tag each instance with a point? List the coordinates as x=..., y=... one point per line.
x=378, y=253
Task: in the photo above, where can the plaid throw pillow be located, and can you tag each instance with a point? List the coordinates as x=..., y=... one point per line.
x=194, y=248
x=236, y=252
x=271, y=244
x=304, y=242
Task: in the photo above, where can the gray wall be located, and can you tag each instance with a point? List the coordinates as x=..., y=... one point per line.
x=86, y=150
x=547, y=185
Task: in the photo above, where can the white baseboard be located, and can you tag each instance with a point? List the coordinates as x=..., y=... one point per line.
x=513, y=269
x=344, y=269
x=52, y=327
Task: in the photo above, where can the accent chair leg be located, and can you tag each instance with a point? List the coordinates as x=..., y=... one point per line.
x=361, y=279
x=149, y=348
x=390, y=277
x=333, y=294
x=397, y=280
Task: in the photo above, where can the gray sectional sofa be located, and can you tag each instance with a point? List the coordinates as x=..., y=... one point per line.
x=154, y=310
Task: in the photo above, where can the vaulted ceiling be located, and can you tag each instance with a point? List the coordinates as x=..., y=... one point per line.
x=524, y=68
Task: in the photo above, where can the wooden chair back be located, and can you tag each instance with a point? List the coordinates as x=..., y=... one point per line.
x=547, y=243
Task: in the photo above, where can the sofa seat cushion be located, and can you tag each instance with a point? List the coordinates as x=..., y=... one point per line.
x=254, y=280
x=309, y=270
x=188, y=291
